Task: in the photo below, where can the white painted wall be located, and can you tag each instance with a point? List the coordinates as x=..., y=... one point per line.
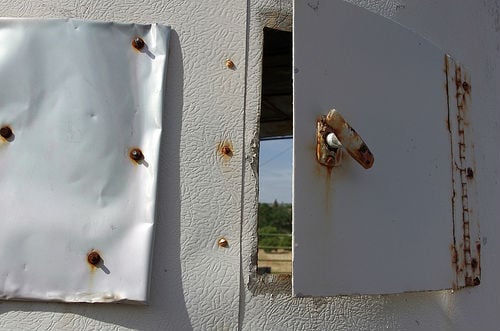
x=204, y=196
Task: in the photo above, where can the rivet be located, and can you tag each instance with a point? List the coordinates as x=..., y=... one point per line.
x=229, y=64
x=94, y=258
x=136, y=154
x=6, y=132
x=223, y=242
x=138, y=43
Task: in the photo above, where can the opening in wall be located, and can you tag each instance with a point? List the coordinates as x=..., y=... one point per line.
x=275, y=165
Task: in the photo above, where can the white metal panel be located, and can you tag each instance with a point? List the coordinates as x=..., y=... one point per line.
x=387, y=229
x=78, y=97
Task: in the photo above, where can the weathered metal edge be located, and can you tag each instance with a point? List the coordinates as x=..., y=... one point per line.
x=466, y=246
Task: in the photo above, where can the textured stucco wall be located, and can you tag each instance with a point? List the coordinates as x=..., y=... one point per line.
x=195, y=284
x=204, y=196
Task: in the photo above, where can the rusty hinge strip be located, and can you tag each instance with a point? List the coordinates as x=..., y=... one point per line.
x=465, y=256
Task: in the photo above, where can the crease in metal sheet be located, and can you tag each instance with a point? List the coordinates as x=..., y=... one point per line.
x=77, y=97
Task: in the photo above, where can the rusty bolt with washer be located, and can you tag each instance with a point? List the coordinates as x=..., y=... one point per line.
x=94, y=258
x=6, y=132
x=223, y=242
x=138, y=43
x=136, y=155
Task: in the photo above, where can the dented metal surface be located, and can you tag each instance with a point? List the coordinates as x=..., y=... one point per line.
x=466, y=247
x=335, y=124
x=76, y=210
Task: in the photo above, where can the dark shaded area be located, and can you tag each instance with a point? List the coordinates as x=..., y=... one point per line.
x=277, y=85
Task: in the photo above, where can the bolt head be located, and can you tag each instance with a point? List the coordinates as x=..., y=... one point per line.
x=229, y=64
x=332, y=141
x=138, y=43
x=6, y=132
x=223, y=243
x=94, y=258
x=136, y=155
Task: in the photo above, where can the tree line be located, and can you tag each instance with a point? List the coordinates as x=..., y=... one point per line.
x=275, y=225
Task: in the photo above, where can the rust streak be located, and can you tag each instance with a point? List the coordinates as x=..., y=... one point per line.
x=469, y=263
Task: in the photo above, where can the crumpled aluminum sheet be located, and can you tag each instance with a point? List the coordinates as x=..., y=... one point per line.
x=77, y=97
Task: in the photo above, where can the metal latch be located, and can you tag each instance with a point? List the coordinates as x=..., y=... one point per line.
x=333, y=134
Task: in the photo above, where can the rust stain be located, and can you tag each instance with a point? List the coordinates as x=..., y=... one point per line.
x=474, y=265
x=466, y=87
x=464, y=261
x=478, y=258
x=225, y=149
x=454, y=257
x=323, y=172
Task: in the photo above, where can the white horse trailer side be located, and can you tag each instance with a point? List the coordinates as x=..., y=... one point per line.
x=407, y=244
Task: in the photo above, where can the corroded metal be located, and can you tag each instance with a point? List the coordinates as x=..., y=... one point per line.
x=327, y=153
x=334, y=134
x=466, y=246
x=350, y=139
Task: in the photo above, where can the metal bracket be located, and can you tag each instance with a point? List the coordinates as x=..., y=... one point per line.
x=333, y=134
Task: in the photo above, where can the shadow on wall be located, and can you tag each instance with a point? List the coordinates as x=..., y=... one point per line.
x=166, y=302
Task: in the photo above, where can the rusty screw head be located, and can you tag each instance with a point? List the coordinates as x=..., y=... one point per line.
x=226, y=150
x=6, y=132
x=138, y=43
x=94, y=258
x=229, y=64
x=136, y=154
x=223, y=242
